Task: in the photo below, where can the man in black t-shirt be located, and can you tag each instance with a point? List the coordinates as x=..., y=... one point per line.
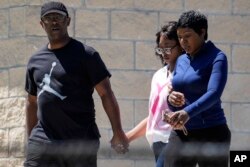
x=60, y=81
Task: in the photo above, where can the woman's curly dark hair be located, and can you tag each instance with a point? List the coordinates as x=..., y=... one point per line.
x=194, y=20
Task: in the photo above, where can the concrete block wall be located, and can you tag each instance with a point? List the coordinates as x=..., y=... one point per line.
x=123, y=31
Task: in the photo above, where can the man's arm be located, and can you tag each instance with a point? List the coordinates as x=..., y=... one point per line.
x=31, y=113
x=110, y=105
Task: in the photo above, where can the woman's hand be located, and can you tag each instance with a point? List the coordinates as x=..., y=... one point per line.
x=176, y=119
x=176, y=99
x=179, y=119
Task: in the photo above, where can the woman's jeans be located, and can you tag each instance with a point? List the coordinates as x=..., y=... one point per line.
x=207, y=147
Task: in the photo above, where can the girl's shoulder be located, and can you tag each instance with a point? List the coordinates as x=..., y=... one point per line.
x=161, y=72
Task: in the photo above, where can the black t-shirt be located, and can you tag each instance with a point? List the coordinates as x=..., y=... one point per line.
x=63, y=81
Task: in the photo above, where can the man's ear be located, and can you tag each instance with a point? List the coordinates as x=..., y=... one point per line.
x=68, y=21
x=42, y=24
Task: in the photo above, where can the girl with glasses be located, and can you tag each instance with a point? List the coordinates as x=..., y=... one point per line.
x=156, y=130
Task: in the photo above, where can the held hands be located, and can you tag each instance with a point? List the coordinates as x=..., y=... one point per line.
x=120, y=142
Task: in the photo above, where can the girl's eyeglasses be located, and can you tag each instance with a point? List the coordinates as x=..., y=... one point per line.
x=162, y=51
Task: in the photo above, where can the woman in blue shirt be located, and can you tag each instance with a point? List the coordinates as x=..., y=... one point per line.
x=198, y=82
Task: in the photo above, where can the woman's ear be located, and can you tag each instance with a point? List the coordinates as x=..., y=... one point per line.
x=203, y=32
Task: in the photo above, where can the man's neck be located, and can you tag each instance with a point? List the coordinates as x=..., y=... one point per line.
x=57, y=44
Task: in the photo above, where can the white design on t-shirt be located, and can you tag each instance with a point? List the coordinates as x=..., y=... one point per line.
x=46, y=84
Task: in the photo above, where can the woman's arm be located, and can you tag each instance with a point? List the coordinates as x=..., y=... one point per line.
x=215, y=87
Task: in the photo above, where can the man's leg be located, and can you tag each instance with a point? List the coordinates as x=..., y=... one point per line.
x=34, y=153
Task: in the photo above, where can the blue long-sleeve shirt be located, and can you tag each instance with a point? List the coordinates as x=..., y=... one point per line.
x=202, y=80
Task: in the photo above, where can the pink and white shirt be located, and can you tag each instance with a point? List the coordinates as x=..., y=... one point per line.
x=157, y=129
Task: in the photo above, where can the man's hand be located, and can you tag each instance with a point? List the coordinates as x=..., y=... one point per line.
x=119, y=142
